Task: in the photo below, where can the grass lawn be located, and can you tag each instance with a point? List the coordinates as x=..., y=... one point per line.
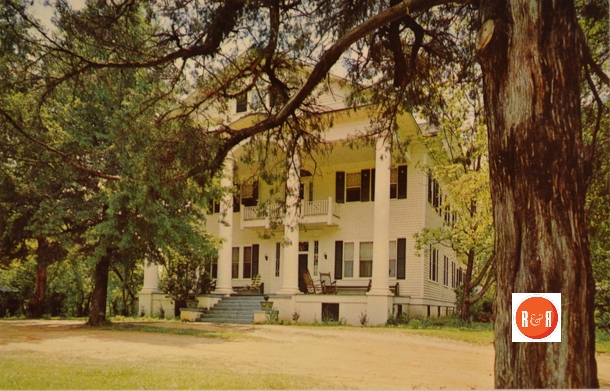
x=29, y=370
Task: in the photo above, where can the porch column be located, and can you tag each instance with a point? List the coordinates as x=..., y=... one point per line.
x=225, y=230
x=150, y=288
x=290, y=266
x=151, y=278
x=381, y=220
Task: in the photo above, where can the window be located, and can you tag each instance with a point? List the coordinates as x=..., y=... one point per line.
x=366, y=259
x=348, y=260
x=277, y=259
x=434, y=193
x=445, y=270
x=247, y=262
x=249, y=193
x=360, y=186
x=316, y=248
x=213, y=207
x=393, y=256
x=394, y=183
x=250, y=261
x=398, y=182
x=241, y=103
x=214, y=267
x=303, y=247
x=433, y=264
x=235, y=263
x=447, y=215
x=352, y=186
x=330, y=312
x=452, y=274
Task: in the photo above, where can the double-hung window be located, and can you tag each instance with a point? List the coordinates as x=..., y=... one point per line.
x=433, y=264
x=241, y=103
x=435, y=197
x=235, y=262
x=348, y=260
x=393, y=257
x=445, y=270
x=366, y=259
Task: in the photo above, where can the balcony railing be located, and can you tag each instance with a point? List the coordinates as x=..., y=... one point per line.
x=312, y=212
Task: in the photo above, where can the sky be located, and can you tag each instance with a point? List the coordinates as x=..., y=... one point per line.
x=44, y=12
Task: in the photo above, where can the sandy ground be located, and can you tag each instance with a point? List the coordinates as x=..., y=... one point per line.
x=351, y=358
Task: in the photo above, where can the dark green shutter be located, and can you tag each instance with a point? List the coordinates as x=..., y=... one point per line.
x=365, y=185
x=338, y=259
x=340, y=187
x=401, y=258
x=372, y=184
x=254, y=260
x=402, y=182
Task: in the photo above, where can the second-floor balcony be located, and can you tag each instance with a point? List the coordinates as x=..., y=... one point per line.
x=321, y=212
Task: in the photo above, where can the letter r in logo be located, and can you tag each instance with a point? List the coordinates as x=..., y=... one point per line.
x=524, y=317
x=549, y=318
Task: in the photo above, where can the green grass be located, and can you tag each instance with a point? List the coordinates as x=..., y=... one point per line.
x=29, y=370
x=602, y=341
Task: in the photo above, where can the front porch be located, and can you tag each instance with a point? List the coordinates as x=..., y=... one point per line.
x=351, y=309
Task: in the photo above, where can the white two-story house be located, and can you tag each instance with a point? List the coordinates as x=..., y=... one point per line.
x=350, y=210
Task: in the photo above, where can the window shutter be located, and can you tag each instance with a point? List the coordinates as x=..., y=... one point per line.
x=340, y=187
x=373, y=184
x=254, y=260
x=430, y=189
x=402, y=182
x=365, y=185
x=401, y=258
x=338, y=259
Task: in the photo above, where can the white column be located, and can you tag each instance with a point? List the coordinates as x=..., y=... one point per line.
x=225, y=230
x=151, y=278
x=381, y=220
x=290, y=266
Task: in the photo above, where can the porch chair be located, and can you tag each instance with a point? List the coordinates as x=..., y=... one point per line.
x=254, y=287
x=312, y=288
x=328, y=285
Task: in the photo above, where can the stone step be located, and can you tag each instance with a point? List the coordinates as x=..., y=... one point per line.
x=233, y=309
x=231, y=321
x=228, y=314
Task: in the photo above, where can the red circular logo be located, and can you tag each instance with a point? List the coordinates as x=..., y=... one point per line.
x=536, y=317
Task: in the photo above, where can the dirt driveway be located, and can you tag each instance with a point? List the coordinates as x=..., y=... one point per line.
x=343, y=358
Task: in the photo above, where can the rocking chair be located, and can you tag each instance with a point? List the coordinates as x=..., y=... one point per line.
x=328, y=285
x=254, y=287
x=312, y=288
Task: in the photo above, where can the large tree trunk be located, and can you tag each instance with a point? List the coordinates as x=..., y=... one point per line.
x=531, y=71
x=97, y=316
x=36, y=306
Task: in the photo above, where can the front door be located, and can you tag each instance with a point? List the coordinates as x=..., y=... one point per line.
x=302, y=266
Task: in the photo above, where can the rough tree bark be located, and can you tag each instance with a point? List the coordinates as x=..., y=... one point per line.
x=35, y=307
x=531, y=69
x=97, y=315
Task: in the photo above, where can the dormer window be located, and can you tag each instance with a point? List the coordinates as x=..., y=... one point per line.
x=241, y=103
